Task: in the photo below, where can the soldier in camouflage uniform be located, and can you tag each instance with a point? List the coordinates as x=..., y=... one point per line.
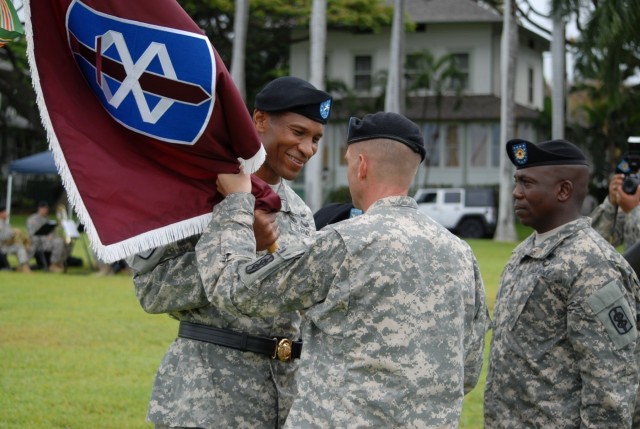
x=394, y=304
x=565, y=333
x=46, y=243
x=11, y=242
x=219, y=372
x=618, y=217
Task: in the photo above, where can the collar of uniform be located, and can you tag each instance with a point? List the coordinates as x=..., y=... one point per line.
x=544, y=249
x=394, y=201
x=282, y=189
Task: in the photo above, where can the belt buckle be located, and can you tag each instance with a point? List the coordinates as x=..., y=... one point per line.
x=283, y=350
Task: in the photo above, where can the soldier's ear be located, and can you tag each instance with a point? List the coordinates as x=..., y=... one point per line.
x=260, y=119
x=564, y=190
x=363, y=167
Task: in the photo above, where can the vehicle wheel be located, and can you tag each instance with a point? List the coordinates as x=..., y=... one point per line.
x=471, y=228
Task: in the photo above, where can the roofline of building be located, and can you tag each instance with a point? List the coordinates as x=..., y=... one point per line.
x=482, y=108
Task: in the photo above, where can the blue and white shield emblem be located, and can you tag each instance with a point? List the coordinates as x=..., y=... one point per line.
x=325, y=109
x=157, y=81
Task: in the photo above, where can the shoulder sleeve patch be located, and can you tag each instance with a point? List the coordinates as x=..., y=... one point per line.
x=611, y=308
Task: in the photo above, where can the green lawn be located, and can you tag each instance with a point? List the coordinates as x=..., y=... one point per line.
x=77, y=351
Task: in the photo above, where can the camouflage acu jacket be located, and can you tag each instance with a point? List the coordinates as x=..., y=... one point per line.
x=617, y=228
x=204, y=385
x=394, y=309
x=565, y=335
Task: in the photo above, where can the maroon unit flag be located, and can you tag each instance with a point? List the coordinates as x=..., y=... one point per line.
x=141, y=115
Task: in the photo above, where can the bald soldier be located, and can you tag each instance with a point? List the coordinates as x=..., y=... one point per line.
x=565, y=333
x=394, y=303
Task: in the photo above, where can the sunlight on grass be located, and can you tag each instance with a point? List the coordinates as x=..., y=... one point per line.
x=76, y=351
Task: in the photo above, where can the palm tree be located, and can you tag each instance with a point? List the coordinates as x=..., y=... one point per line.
x=434, y=77
x=605, y=61
x=558, y=52
x=318, y=34
x=505, y=230
x=393, y=102
x=239, y=45
x=614, y=54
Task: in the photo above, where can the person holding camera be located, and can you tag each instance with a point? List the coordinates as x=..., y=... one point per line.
x=617, y=219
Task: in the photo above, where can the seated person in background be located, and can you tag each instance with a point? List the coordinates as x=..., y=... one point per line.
x=11, y=241
x=46, y=243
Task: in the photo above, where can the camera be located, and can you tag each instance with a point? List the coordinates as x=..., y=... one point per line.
x=629, y=166
x=630, y=183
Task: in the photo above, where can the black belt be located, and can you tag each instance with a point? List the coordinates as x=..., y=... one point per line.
x=279, y=348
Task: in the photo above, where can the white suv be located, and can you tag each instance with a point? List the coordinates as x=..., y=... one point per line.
x=468, y=212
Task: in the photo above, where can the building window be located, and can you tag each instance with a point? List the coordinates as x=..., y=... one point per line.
x=479, y=135
x=362, y=74
x=496, y=146
x=530, y=85
x=461, y=65
x=431, y=139
x=452, y=147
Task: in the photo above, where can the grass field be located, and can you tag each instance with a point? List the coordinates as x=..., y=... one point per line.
x=77, y=351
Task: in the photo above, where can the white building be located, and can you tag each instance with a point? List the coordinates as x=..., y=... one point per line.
x=462, y=135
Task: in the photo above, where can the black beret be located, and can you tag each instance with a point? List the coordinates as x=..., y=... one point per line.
x=43, y=204
x=292, y=94
x=386, y=125
x=524, y=154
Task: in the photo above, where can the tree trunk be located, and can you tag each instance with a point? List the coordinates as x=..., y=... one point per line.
x=505, y=230
x=393, y=99
x=558, y=77
x=317, y=34
x=239, y=46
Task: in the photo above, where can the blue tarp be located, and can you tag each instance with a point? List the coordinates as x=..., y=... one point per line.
x=40, y=163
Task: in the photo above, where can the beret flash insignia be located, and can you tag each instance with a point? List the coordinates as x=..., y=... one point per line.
x=520, y=153
x=325, y=109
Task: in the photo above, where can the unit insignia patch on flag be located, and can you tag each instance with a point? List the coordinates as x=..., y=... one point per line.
x=141, y=115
